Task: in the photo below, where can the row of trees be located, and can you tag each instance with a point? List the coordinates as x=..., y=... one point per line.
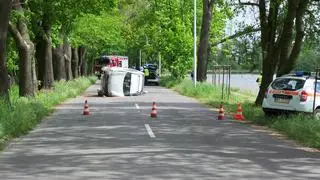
x=41, y=31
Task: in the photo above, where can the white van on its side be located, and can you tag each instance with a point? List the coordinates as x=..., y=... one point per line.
x=117, y=81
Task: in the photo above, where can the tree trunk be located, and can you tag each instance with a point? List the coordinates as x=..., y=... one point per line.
x=58, y=63
x=5, y=8
x=39, y=58
x=286, y=36
x=44, y=57
x=204, y=40
x=34, y=72
x=91, y=64
x=290, y=48
x=67, y=57
x=82, y=61
x=48, y=77
x=268, y=70
x=75, y=62
x=270, y=52
x=58, y=60
x=26, y=54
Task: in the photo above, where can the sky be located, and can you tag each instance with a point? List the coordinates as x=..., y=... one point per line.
x=248, y=16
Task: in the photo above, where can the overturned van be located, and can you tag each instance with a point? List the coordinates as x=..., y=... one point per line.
x=118, y=81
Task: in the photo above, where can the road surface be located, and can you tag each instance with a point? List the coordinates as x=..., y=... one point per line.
x=120, y=141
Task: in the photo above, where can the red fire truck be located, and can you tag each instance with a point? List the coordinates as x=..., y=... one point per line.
x=109, y=61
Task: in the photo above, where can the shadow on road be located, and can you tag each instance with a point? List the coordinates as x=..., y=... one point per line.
x=112, y=143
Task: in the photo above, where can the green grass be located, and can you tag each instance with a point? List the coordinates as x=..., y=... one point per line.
x=300, y=127
x=25, y=113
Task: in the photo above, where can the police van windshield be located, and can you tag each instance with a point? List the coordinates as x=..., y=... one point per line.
x=288, y=84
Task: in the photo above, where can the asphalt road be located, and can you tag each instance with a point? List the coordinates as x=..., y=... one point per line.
x=120, y=141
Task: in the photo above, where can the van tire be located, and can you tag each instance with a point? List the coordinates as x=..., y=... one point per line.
x=268, y=112
x=100, y=93
x=316, y=113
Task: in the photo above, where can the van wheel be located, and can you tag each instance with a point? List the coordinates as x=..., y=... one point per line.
x=316, y=113
x=100, y=93
x=268, y=113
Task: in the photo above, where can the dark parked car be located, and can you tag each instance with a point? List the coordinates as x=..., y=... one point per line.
x=153, y=77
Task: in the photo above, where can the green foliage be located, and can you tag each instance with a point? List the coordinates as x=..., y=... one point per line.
x=12, y=57
x=24, y=113
x=59, y=16
x=15, y=15
x=179, y=67
x=309, y=58
x=65, y=11
x=242, y=54
x=169, y=81
x=100, y=34
x=161, y=27
x=303, y=128
x=221, y=14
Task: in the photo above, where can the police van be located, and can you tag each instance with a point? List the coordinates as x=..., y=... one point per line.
x=298, y=92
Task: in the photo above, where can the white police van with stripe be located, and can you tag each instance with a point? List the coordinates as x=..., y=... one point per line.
x=299, y=92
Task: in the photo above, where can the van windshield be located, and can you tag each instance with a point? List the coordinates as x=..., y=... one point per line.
x=290, y=84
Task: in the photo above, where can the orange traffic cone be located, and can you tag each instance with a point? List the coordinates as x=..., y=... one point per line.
x=221, y=113
x=154, y=105
x=154, y=110
x=86, y=108
x=239, y=115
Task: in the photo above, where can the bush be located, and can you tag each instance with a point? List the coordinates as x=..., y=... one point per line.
x=24, y=113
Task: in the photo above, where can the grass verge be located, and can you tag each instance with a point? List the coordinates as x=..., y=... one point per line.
x=25, y=113
x=300, y=127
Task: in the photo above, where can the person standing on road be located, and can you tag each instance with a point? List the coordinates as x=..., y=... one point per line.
x=146, y=75
x=259, y=80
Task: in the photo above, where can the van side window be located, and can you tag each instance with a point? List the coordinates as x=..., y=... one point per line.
x=318, y=87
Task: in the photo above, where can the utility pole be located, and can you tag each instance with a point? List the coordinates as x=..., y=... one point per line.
x=159, y=58
x=195, y=43
x=139, y=58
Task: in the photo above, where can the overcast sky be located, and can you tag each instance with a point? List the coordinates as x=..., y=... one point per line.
x=249, y=16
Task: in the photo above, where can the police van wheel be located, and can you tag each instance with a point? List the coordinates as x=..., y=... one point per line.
x=316, y=113
x=268, y=112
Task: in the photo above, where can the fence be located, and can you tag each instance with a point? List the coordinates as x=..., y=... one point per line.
x=221, y=76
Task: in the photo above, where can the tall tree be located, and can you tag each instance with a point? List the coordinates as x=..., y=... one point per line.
x=204, y=49
x=20, y=32
x=282, y=33
x=5, y=8
x=19, y=28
